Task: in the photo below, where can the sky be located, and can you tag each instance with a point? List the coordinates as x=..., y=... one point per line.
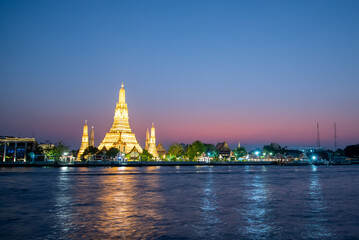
x=249, y=71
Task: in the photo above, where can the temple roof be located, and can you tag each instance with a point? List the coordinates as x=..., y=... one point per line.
x=134, y=149
x=161, y=149
x=223, y=147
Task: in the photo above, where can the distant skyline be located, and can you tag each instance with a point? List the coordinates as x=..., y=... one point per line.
x=249, y=71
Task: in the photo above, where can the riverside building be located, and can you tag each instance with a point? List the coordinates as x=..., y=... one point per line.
x=14, y=149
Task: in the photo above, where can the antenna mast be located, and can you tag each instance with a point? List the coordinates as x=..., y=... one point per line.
x=335, y=137
x=318, y=138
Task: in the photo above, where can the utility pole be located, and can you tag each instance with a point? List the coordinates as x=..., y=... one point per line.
x=335, y=137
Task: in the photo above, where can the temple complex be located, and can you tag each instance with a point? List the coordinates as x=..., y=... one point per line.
x=152, y=149
x=85, y=141
x=120, y=134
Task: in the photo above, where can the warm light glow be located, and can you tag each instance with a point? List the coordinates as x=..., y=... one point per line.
x=120, y=134
x=85, y=141
x=152, y=149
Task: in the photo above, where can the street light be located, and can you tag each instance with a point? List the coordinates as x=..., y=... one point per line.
x=64, y=155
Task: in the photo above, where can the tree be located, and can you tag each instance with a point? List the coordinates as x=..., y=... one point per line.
x=240, y=152
x=215, y=154
x=90, y=150
x=74, y=152
x=352, y=150
x=195, y=149
x=112, y=152
x=56, y=151
x=145, y=155
x=323, y=154
x=39, y=150
x=210, y=148
x=273, y=149
x=339, y=152
x=175, y=150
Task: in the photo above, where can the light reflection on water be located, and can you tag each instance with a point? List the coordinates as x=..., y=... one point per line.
x=127, y=206
x=316, y=228
x=63, y=201
x=228, y=202
x=255, y=213
x=209, y=209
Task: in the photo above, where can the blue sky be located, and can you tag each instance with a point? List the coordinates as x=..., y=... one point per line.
x=249, y=71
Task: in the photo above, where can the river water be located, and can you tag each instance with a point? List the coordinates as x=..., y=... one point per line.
x=187, y=202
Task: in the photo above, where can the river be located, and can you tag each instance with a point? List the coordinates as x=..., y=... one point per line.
x=187, y=202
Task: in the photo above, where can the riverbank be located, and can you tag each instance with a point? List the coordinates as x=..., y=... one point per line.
x=152, y=163
x=128, y=164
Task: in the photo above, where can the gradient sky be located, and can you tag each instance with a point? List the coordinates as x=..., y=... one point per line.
x=249, y=71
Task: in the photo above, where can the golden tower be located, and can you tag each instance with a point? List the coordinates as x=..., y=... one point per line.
x=85, y=141
x=120, y=134
x=152, y=147
x=147, y=139
x=92, y=138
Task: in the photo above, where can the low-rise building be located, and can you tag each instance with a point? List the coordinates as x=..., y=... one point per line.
x=223, y=150
x=161, y=151
x=14, y=149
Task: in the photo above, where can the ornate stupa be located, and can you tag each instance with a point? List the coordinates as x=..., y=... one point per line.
x=147, y=139
x=152, y=148
x=120, y=134
x=92, y=138
x=85, y=141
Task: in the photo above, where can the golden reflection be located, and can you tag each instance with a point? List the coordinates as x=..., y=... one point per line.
x=122, y=214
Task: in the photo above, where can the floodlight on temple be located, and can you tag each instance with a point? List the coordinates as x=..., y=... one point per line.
x=120, y=134
x=84, y=142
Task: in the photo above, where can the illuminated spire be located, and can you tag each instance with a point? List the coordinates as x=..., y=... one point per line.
x=153, y=148
x=153, y=136
x=92, y=138
x=85, y=140
x=120, y=135
x=85, y=135
x=147, y=143
x=122, y=96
